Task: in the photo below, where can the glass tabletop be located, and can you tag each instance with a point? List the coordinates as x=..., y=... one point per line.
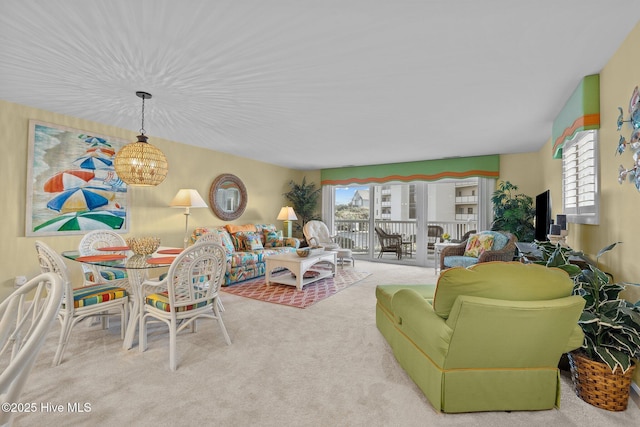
x=124, y=260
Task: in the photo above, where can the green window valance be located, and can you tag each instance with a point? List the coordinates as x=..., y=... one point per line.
x=425, y=170
x=581, y=112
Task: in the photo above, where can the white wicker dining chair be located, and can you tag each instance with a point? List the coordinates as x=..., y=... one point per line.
x=24, y=326
x=212, y=238
x=188, y=292
x=89, y=245
x=83, y=302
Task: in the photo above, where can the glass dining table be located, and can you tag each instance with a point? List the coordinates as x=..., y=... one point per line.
x=137, y=267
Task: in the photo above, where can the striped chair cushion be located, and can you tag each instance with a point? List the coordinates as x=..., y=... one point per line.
x=161, y=302
x=112, y=274
x=95, y=294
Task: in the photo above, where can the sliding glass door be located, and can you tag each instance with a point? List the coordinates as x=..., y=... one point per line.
x=419, y=213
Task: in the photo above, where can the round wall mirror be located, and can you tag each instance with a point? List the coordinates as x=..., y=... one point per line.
x=228, y=197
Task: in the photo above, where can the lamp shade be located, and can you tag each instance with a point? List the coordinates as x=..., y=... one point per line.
x=287, y=214
x=188, y=198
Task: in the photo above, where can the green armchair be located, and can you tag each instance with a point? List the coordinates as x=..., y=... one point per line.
x=485, y=338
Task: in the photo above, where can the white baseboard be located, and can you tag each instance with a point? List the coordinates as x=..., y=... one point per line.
x=634, y=395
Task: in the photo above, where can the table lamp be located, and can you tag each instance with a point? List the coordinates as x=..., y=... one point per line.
x=287, y=215
x=187, y=198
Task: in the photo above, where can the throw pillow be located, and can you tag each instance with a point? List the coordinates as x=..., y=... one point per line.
x=231, y=228
x=237, y=240
x=252, y=242
x=477, y=244
x=272, y=239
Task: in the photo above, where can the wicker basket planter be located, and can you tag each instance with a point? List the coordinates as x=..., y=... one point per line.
x=594, y=383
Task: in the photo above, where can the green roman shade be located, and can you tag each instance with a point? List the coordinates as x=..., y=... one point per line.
x=581, y=112
x=425, y=170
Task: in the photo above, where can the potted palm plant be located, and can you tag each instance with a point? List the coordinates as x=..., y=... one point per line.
x=601, y=369
x=513, y=212
x=304, y=199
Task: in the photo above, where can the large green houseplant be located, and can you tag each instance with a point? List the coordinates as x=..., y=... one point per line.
x=304, y=200
x=611, y=325
x=513, y=212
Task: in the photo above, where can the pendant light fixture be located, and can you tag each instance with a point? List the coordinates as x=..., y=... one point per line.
x=140, y=163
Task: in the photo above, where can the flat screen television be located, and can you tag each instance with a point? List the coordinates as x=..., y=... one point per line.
x=543, y=215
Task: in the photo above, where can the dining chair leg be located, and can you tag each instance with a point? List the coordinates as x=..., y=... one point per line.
x=142, y=334
x=221, y=323
x=65, y=333
x=172, y=344
x=124, y=319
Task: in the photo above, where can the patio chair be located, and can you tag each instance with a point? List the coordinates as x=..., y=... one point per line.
x=81, y=303
x=317, y=234
x=24, y=327
x=389, y=243
x=434, y=232
x=89, y=245
x=188, y=293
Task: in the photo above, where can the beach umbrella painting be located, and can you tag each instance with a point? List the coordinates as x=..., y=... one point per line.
x=74, y=221
x=68, y=179
x=93, y=162
x=80, y=199
x=95, y=140
x=102, y=151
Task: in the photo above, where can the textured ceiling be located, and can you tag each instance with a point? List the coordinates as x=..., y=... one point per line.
x=313, y=84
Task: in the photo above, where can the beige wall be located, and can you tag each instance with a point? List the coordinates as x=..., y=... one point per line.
x=189, y=167
x=619, y=204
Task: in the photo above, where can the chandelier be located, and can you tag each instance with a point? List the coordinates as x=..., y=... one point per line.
x=140, y=163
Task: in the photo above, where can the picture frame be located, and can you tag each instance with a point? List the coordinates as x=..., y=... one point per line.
x=72, y=186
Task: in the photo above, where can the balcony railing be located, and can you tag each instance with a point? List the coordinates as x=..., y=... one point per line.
x=466, y=200
x=354, y=234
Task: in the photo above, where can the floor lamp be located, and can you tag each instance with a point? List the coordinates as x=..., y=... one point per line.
x=187, y=198
x=287, y=215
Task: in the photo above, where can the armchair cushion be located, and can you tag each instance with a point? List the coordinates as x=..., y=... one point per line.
x=478, y=244
x=461, y=261
x=500, y=240
x=512, y=281
x=317, y=234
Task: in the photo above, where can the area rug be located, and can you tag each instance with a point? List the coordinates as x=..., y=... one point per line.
x=289, y=295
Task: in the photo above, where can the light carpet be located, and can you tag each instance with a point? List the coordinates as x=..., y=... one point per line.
x=327, y=365
x=290, y=295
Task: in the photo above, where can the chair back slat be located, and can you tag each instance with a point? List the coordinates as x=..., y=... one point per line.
x=195, y=276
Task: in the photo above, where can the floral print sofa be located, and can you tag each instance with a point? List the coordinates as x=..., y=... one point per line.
x=247, y=246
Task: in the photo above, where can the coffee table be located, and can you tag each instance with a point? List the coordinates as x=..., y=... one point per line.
x=299, y=266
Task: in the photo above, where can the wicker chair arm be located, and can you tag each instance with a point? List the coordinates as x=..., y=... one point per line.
x=454, y=250
x=505, y=254
x=457, y=250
